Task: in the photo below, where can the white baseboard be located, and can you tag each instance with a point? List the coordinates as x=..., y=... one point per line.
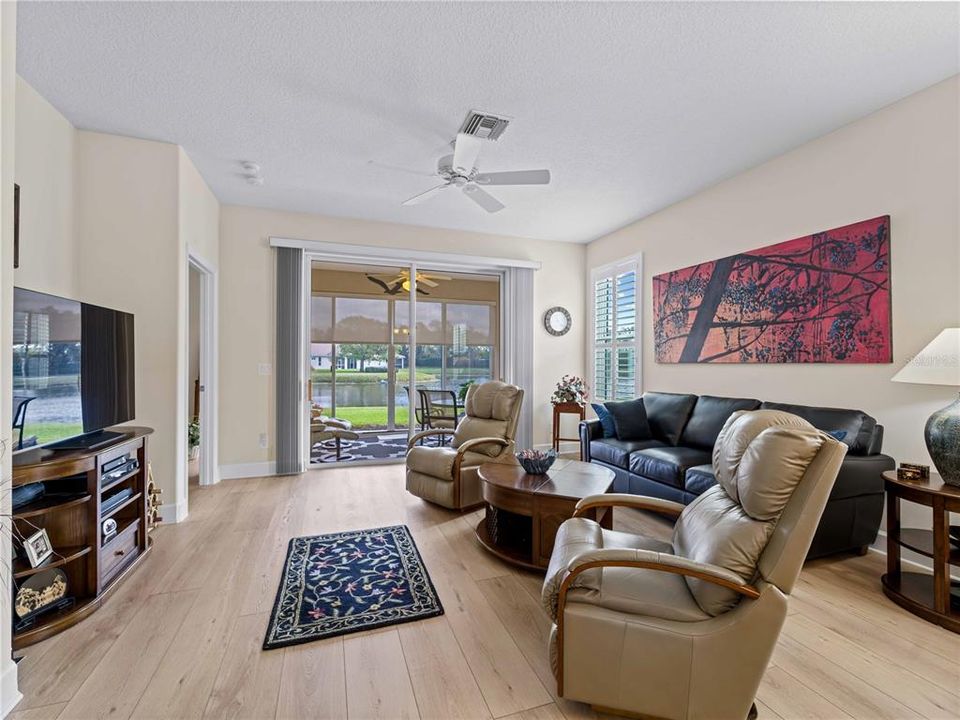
x=9, y=693
x=565, y=447
x=246, y=470
x=173, y=512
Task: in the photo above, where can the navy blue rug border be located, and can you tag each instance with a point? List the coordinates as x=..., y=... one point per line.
x=267, y=645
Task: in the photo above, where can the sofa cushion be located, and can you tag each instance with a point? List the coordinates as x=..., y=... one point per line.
x=606, y=420
x=473, y=428
x=617, y=452
x=667, y=464
x=859, y=426
x=699, y=479
x=667, y=413
x=629, y=419
x=433, y=461
x=708, y=417
x=493, y=400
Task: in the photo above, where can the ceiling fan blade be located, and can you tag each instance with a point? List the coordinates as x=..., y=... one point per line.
x=426, y=195
x=426, y=281
x=482, y=198
x=433, y=276
x=465, y=153
x=514, y=177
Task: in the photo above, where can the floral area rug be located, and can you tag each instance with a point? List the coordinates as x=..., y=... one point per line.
x=347, y=582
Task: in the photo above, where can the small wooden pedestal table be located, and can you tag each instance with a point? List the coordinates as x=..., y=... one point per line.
x=568, y=408
x=928, y=596
x=524, y=511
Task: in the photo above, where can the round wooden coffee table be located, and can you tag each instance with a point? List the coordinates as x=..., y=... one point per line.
x=523, y=512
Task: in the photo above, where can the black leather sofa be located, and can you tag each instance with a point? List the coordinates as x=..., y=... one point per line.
x=676, y=462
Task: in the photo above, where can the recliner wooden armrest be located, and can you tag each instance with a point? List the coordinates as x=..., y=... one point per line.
x=640, y=502
x=428, y=433
x=664, y=562
x=562, y=581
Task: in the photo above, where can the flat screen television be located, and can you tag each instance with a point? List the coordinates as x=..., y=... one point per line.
x=73, y=371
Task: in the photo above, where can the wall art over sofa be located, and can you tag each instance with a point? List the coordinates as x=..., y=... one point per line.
x=823, y=298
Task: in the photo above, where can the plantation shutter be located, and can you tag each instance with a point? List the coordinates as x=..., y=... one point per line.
x=615, y=334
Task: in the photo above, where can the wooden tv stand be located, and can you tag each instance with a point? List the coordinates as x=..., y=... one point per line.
x=73, y=523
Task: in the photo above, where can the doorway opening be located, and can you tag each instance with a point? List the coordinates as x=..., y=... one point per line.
x=364, y=402
x=200, y=381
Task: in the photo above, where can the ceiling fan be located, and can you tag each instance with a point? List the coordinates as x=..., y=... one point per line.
x=459, y=171
x=393, y=284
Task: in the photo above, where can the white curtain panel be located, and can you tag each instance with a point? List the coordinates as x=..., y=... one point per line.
x=518, y=344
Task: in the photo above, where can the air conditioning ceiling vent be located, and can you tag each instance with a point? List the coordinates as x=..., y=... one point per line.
x=484, y=125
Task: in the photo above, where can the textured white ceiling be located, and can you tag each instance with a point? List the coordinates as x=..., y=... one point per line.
x=348, y=105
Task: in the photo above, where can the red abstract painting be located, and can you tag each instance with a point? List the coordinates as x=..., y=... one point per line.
x=824, y=298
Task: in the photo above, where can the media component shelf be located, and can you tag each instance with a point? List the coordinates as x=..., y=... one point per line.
x=91, y=486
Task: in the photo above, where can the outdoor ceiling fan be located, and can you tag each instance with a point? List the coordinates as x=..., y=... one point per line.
x=393, y=284
x=459, y=171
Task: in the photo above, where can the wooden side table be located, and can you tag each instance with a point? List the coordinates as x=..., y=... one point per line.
x=925, y=595
x=559, y=409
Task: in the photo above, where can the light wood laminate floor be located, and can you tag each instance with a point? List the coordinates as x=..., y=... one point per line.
x=181, y=638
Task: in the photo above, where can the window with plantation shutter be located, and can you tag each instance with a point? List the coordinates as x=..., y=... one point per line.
x=615, y=297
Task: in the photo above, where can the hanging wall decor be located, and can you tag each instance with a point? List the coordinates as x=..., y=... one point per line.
x=823, y=298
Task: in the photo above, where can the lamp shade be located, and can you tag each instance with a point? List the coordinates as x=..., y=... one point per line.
x=937, y=364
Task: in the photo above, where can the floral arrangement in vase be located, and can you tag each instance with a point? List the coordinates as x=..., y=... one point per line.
x=570, y=389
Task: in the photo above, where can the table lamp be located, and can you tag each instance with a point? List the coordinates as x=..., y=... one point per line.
x=939, y=364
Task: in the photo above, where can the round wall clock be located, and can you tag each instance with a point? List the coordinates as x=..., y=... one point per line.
x=557, y=321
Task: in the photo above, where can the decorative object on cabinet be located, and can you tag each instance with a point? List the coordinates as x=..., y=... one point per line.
x=37, y=547
x=536, y=462
x=571, y=389
x=72, y=514
x=939, y=364
x=557, y=321
x=823, y=298
x=39, y=594
x=153, y=501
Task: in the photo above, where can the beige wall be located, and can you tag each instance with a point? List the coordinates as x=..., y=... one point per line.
x=110, y=220
x=127, y=210
x=902, y=161
x=9, y=695
x=46, y=147
x=247, y=325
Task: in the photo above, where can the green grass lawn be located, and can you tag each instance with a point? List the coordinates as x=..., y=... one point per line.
x=47, y=432
x=364, y=418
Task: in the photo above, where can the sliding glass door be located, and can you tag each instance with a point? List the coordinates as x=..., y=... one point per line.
x=362, y=348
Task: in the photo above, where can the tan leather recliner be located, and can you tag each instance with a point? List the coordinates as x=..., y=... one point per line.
x=448, y=475
x=685, y=630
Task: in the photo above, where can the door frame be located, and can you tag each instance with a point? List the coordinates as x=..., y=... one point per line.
x=209, y=366
x=314, y=250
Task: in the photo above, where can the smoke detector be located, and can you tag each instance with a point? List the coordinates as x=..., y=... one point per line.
x=485, y=126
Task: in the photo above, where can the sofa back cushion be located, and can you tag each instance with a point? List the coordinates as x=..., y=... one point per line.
x=860, y=427
x=708, y=417
x=629, y=419
x=667, y=414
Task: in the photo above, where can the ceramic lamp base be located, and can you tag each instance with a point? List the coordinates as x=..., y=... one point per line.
x=943, y=442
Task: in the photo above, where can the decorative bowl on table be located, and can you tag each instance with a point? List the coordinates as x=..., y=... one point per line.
x=536, y=462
